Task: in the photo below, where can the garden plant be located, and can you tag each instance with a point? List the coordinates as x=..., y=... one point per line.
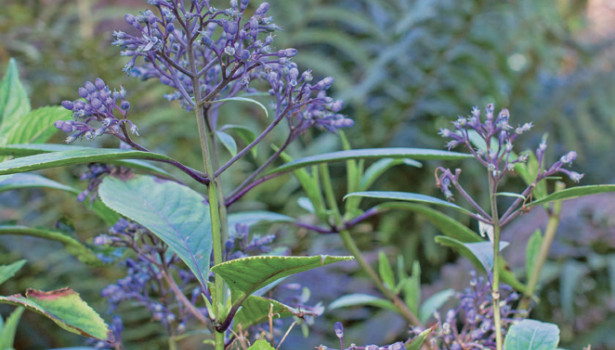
x=208, y=270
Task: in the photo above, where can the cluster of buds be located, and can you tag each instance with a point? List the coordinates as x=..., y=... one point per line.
x=339, y=332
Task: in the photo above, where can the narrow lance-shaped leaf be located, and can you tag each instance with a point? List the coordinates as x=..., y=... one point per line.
x=7, y=333
x=72, y=246
x=358, y=299
x=8, y=271
x=574, y=192
x=174, y=213
x=14, y=101
x=531, y=252
x=79, y=156
x=417, y=342
x=371, y=153
x=252, y=273
x=64, y=307
x=433, y=303
x=408, y=197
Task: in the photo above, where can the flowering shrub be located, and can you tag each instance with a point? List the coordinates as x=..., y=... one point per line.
x=195, y=264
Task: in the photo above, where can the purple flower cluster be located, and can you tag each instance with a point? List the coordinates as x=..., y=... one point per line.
x=491, y=143
x=207, y=54
x=471, y=325
x=95, y=113
x=339, y=332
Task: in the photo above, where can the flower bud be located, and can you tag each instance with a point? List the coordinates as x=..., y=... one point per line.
x=568, y=157
x=68, y=105
x=262, y=9
x=339, y=329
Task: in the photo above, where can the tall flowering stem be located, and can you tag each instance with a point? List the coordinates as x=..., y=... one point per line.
x=491, y=142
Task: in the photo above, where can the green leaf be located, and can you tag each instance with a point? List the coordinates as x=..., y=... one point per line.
x=244, y=99
x=14, y=102
x=412, y=288
x=72, y=246
x=417, y=342
x=8, y=271
x=433, y=303
x=174, y=213
x=442, y=222
x=7, y=333
x=20, y=181
x=574, y=192
x=255, y=310
x=256, y=217
x=252, y=273
x=483, y=251
x=408, y=197
x=357, y=299
x=81, y=156
x=65, y=308
x=37, y=126
x=386, y=271
x=532, y=335
x=371, y=153
x=228, y=142
x=245, y=134
x=505, y=275
x=261, y=344
x=380, y=167
x=21, y=150
x=531, y=252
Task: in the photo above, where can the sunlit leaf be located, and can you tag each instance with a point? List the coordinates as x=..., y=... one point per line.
x=532, y=335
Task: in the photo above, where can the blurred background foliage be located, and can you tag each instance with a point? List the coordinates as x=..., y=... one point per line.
x=405, y=68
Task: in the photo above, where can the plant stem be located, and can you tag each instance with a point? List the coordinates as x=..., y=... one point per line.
x=350, y=244
x=495, y=291
x=552, y=224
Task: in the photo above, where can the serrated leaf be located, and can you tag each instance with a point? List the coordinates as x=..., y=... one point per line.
x=174, y=213
x=7, y=333
x=574, y=192
x=261, y=344
x=417, y=342
x=64, y=307
x=386, y=271
x=531, y=252
x=252, y=273
x=433, y=303
x=244, y=99
x=37, y=126
x=14, y=102
x=72, y=246
x=447, y=225
x=8, y=271
x=506, y=276
x=255, y=310
x=408, y=197
x=371, y=153
x=532, y=335
x=81, y=156
x=358, y=299
x=228, y=142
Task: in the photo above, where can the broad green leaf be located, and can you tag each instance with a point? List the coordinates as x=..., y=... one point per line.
x=8, y=271
x=174, y=213
x=19, y=181
x=82, y=156
x=72, y=246
x=255, y=310
x=408, y=197
x=64, y=307
x=574, y=192
x=371, y=153
x=412, y=288
x=362, y=299
x=14, y=102
x=483, y=251
x=506, y=276
x=37, y=126
x=441, y=221
x=252, y=273
x=261, y=344
x=417, y=342
x=532, y=335
x=228, y=142
x=531, y=252
x=245, y=134
x=433, y=303
x=7, y=333
x=244, y=99
x=386, y=271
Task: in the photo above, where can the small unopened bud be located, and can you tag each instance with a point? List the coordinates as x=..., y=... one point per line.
x=68, y=105
x=569, y=157
x=574, y=176
x=339, y=329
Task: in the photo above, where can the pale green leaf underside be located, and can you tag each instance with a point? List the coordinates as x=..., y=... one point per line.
x=252, y=273
x=532, y=335
x=371, y=153
x=66, y=308
x=174, y=213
